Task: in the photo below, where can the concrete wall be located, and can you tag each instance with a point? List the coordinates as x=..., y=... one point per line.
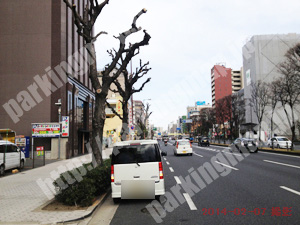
x=261, y=56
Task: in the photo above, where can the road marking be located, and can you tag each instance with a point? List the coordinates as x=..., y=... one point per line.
x=171, y=169
x=167, y=163
x=298, y=167
x=189, y=201
x=280, y=154
x=232, y=153
x=177, y=180
x=165, y=159
x=227, y=165
x=197, y=154
x=291, y=190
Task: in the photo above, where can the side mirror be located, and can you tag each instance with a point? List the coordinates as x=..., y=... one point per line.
x=163, y=153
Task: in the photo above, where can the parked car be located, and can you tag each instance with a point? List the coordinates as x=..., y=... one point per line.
x=183, y=147
x=279, y=142
x=137, y=170
x=14, y=157
x=203, y=141
x=251, y=145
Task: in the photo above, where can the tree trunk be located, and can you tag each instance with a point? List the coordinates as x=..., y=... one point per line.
x=99, y=113
x=124, y=131
x=98, y=125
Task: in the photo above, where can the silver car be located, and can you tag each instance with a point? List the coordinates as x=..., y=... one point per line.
x=245, y=144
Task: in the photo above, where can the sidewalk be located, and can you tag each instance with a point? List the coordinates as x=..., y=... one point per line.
x=21, y=198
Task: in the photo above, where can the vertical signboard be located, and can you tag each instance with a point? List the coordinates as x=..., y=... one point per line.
x=65, y=126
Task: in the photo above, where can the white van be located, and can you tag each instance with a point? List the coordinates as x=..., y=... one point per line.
x=183, y=146
x=14, y=157
x=136, y=170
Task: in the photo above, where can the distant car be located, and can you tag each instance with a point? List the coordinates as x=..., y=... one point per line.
x=203, y=141
x=183, y=147
x=14, y=157
x=279, y=142
x=251, y=145
x=136, y=170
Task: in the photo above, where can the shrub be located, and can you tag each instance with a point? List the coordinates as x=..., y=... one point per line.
x=89, y=184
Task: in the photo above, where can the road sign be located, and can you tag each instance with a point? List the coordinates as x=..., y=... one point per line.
x=187, y=121
x=178, y=128
x=154, y=128
x=159, y=133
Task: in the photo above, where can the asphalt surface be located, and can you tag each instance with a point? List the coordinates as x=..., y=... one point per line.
x=259, y=188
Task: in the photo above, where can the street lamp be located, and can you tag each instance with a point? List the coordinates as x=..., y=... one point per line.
x=58, y=103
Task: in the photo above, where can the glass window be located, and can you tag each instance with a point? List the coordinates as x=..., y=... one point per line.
x=135, y=154
x=283, y=139
x=183, y=142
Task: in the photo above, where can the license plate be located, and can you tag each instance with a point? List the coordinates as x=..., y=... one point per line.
x=249, y=144
x=184, y=151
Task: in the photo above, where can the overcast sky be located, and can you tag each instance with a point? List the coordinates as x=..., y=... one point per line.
x=188, y=38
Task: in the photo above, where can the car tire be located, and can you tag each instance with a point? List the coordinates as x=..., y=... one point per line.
x=208, y=145
x=191, y=154
x=198, y=144
x=278, y=146
x=116, y=200
x=2, y=170
x=256, y=150
x=21, y=164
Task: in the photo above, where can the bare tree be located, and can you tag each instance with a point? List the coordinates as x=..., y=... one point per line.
x=259, y=100
x=290, y=86
x=128, y=91
x=274, y=88
x=85, y=25
x=223, y=113
x=237, y=113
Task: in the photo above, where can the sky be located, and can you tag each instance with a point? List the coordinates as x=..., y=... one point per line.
x=187, y=39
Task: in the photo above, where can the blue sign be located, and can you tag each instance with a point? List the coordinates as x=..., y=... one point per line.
x=159, y=133
x=178, y=128
x=200, y=102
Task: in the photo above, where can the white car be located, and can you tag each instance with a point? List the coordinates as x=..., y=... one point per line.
x=279, y=142
x=137, y=170
x=183, y=146
x=14, y=157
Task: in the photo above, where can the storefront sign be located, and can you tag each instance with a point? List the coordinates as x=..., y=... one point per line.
x=65, y=126
x=45, y=129
x=40, y=151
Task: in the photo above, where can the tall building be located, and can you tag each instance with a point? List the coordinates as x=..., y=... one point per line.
x=221, y=84
x=237, y=80
x=40, y=64
x=261, y=56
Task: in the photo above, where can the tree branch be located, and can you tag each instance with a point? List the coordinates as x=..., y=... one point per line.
x=114, y=111
x=141, y=88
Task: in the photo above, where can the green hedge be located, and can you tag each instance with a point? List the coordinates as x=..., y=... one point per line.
x=89, y=184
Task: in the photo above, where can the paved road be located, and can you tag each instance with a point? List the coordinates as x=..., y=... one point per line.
x=259, y=188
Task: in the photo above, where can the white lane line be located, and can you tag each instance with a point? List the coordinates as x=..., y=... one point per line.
x=298, y=167
x=197, y=154
x=177, y=180
x=171, y=169
x=280, y=154
x=232, y=153
x=165, y=158
x=291, y=190
x=189, y=201
x=167, y=163
x=227, y=165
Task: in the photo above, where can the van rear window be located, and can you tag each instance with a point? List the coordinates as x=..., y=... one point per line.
x=184, y=142
x=135, y=154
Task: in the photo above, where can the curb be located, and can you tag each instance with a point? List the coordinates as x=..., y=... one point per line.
x=93, y=208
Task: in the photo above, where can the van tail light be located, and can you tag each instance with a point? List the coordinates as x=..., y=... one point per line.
x=161, y=175
x=177, y=145
x=112, y=174
x=190, y=143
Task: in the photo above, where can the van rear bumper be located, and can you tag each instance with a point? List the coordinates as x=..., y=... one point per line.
x=159, y=189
